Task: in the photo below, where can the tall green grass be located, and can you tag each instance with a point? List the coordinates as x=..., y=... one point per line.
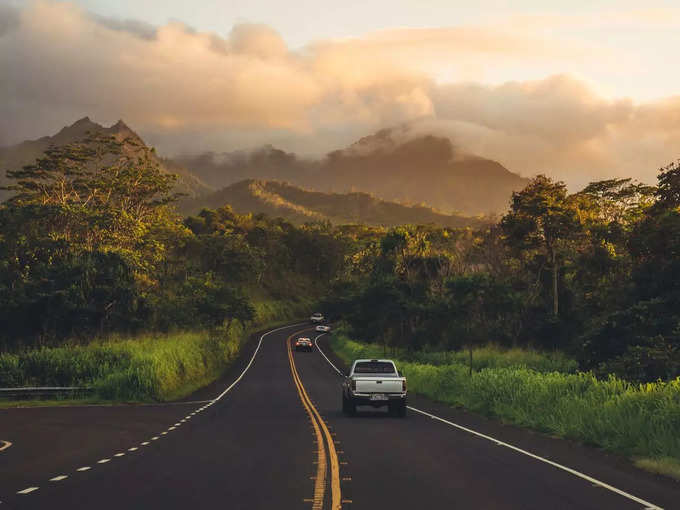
x=490, y=356
x=150, y=367
x=637, y=420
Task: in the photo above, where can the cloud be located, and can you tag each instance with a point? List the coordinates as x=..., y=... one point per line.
x=559, y=126
x=9, y=19
x=189, y=90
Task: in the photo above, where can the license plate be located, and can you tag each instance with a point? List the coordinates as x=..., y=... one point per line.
x=378, y=396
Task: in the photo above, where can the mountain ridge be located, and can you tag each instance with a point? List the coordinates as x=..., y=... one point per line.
x=299, y=205
x=26, y=152
x=395, y=164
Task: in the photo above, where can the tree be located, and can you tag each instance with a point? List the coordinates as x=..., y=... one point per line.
x=542, y=220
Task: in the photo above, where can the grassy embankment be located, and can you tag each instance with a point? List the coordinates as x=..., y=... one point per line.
x=144, y=368
x=546, y=393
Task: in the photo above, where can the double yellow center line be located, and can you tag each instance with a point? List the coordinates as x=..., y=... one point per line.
x=321, y=431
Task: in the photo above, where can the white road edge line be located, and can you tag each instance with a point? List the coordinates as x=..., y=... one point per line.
x=4, y=445
x=594, y=481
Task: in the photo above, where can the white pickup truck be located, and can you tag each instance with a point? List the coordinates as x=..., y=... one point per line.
x=374, y=382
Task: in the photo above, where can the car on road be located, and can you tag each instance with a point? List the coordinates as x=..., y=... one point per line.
x=303, y=344
x=316, y=318
x=323, y=328
x=376, y=383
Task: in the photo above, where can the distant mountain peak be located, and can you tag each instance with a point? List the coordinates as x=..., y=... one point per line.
x=120, y=126
x=84, y=120
x=28, y=151
x=78, y=128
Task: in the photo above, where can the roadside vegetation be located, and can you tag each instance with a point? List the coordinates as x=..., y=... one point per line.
x=594, y=275
x=638, y=420
x=151, y=367
x=103, y=285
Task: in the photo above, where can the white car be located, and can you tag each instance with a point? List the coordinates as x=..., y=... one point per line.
x=374, y=382
x=321, y=328
x=316, y=318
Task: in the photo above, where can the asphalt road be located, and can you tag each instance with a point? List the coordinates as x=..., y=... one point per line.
x=277, y=439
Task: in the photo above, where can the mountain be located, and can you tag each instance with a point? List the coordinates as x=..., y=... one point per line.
x=25, y=153
x=267, y=162
x=394, y=164
x=299, y=206
x=426, y=168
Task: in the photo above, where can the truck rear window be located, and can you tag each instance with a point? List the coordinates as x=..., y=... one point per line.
x=374, y=367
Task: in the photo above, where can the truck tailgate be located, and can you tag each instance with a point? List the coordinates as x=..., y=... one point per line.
x=378, y=384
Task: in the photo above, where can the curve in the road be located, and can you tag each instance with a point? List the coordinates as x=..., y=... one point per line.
x=599, y=483
x=6, y=444
x=319, y=425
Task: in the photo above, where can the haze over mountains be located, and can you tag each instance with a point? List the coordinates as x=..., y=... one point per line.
x=394, y=164
x=359, y=183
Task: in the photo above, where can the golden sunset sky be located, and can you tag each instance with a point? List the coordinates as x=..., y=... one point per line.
x=580, y=90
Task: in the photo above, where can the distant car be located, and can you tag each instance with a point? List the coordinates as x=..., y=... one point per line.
x=316, y=318
x=303, y=344
x=323, y=328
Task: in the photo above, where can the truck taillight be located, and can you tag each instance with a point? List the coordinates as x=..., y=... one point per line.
x=403, y=385
x=354, y=385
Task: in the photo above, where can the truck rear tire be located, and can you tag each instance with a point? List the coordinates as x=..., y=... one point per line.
x=398, y=408
x=348, y=406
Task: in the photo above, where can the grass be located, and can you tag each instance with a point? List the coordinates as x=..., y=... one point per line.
x=666, y=466
x=640, y=421
x=143, y=368
x=489, y=356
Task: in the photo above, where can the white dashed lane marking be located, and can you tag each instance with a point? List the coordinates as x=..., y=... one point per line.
x=28, y=490
x=6, y=444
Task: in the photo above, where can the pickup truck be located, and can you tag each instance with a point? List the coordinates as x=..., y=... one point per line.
x=374, y=382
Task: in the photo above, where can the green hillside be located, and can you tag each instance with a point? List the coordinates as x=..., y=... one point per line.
x=299, y=206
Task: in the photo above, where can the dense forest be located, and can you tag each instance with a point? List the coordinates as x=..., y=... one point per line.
x=595, y=274
x=91, y=245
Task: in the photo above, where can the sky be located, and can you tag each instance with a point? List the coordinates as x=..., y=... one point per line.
x=580, y=90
